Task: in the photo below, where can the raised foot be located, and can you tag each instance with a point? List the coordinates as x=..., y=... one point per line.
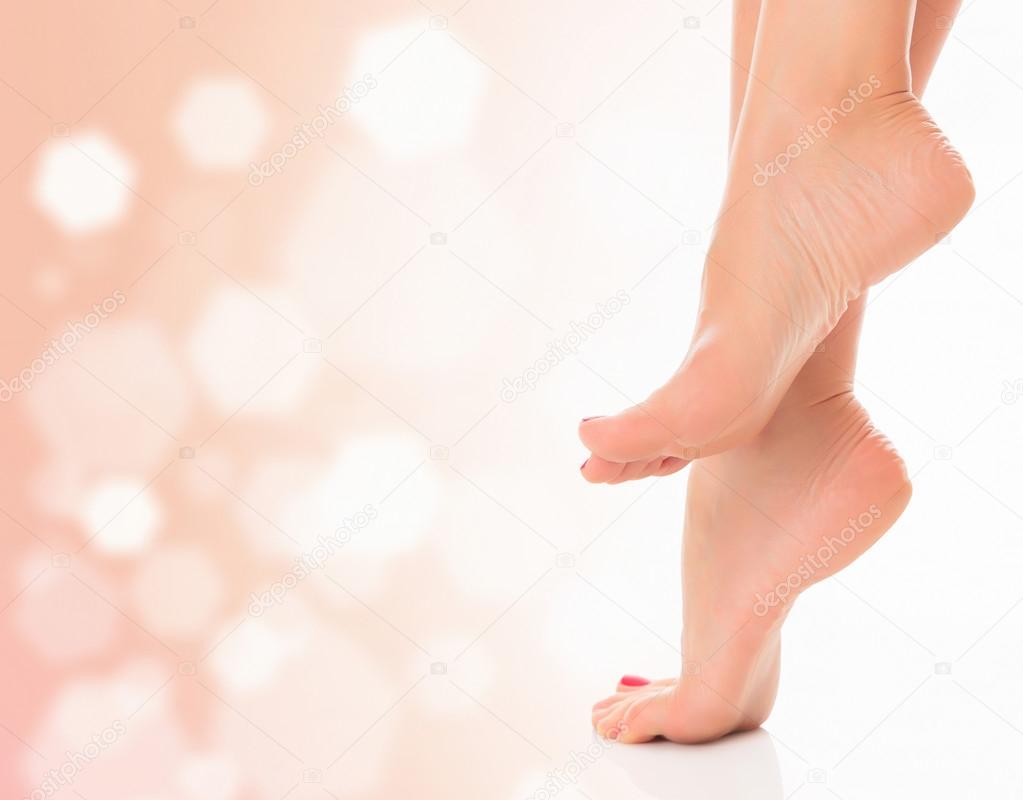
x=790, y=253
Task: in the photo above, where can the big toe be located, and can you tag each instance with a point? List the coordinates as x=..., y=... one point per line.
x=630, y=682
x=636, y=434
x=722, y=395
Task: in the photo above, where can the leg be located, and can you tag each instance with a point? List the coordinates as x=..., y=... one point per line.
x=838, y=178
x=751, y=516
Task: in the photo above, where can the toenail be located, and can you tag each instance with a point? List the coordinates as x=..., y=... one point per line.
x=587, y=419
x=583, y=465
x=633, y=680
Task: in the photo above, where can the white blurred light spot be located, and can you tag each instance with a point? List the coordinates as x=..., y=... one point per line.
x=429, y=97
x=239, y=344
x=251, y=657
x=125, y=515
x=178, y=591
x=127, y=714
x=82, y=707
x=83, y=183
x=367, y=469
x=221, y=123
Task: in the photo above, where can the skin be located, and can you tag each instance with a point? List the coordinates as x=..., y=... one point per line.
x=755, y=514
x=794, y=252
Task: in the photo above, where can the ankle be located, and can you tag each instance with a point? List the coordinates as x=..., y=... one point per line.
x=813, y=52
x=815, y=109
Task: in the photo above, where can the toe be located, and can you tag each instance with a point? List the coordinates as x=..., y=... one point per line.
x=722, y=395
x=632, y=687
x=607, y=702
x=633, y=471
x=599, y=470
x=637, y=434
x=635, y=725
x=599, y=716
x=609, y=726
x=662, y=467
x=628, y=721
x=629, y=682
x=604, y=709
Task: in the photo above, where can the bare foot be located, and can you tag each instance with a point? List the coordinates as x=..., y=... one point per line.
x=816, y=488
x=792, y=250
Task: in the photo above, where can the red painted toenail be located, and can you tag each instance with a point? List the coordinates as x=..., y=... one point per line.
x=633, y=680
